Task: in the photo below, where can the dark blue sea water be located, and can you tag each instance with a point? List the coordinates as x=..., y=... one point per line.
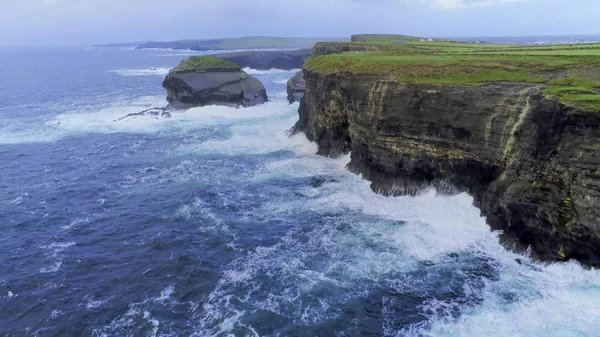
x=215, y=223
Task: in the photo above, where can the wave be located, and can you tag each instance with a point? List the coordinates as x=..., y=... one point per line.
x=409, y=245
x=104, y=120
x=273, y=71
x=256, y=130
x=142, y=72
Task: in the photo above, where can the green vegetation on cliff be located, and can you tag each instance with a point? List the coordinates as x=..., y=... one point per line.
x=195, y=63
x=571, y=73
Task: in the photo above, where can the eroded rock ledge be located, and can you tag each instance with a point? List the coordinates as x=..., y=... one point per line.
x=530, y=162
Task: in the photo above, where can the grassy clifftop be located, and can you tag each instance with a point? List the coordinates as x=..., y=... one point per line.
x=571, y=73
x=195, y=63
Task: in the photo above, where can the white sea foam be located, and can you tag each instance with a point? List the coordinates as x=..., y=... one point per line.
x=51, y=269
x=166, y=294
x=142, y=72
x=17, y=200
x=106, y=120
x=83, y=122
x=273, y=71
x=77, y=222
x=92, y=304
x=138, y=317
x=255, y=130
x=57, y=247
x=396, y=236
x=54, y=252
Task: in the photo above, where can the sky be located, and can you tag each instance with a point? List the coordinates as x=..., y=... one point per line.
x=87, y=22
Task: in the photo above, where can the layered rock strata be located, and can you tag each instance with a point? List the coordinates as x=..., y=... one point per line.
x=531, y=163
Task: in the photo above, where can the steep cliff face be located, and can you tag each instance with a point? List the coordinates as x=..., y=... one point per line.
x=530, y=162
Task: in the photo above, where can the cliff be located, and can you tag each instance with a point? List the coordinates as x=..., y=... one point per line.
x=522, y=138
x=200, y=81
x=265, y=60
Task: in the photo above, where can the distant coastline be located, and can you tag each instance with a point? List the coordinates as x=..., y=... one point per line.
x=267, y=42
x=250, y=42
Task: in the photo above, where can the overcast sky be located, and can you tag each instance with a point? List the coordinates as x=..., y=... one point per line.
x=86, y=22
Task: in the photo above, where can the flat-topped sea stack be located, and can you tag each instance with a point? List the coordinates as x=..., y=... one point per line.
x=202, y=80
x=516, y=127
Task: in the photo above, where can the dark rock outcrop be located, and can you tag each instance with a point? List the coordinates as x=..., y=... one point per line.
x=265, y=60
x=154, y=112
x=531, y=163
x=213, y=86
x=296, y=86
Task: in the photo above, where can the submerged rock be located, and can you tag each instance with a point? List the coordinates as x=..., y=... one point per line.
x=200, y=81
x=296, y=86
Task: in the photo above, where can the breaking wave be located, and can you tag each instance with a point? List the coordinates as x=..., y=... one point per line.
x=142, y=72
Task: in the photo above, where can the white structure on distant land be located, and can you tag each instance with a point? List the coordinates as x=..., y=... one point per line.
x=422, y=40
x=430, y=40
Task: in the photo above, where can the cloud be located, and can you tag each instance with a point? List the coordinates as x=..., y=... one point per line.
x=85, y=22
x=453, y=4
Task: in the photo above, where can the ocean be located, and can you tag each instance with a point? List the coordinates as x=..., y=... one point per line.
x=215, y=223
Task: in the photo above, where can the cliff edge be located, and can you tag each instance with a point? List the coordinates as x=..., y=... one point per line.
x=519, y=133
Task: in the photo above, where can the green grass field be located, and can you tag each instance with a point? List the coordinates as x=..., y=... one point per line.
x=571, y=73
x=204, y=62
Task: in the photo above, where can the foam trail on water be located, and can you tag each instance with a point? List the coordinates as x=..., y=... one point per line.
x=142, y=72
x=105, y=120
